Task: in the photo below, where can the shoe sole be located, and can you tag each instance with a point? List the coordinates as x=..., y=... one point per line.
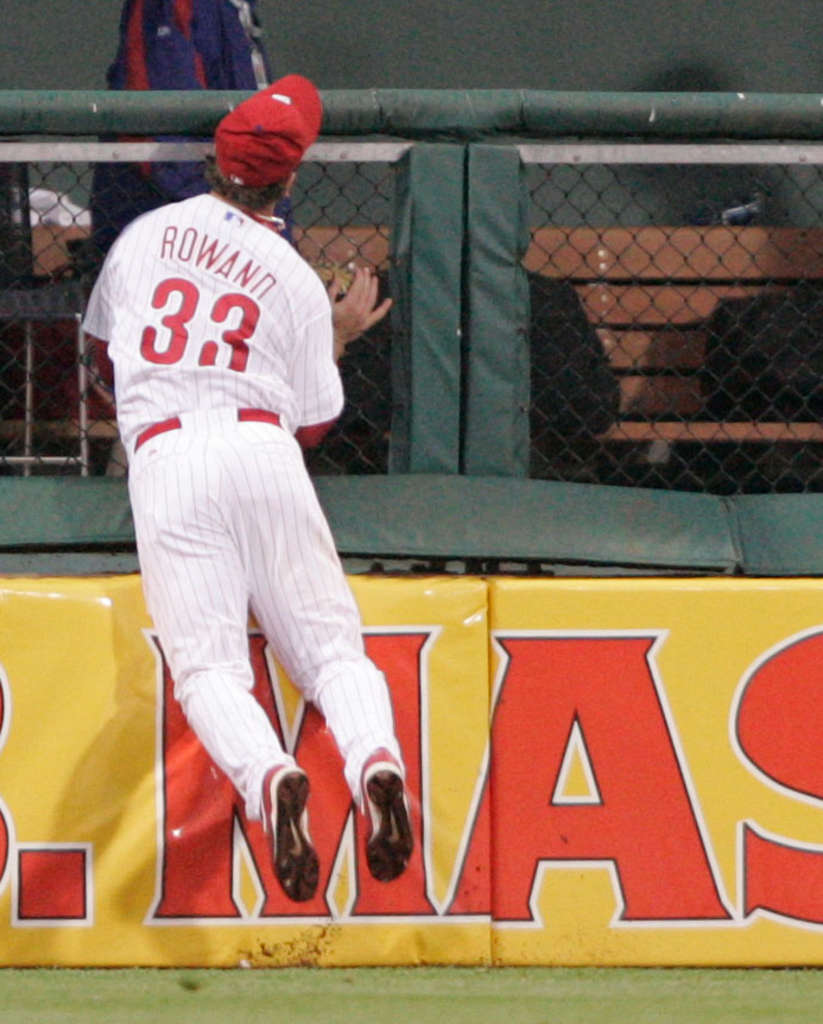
x=390, y=846
x=295, y=860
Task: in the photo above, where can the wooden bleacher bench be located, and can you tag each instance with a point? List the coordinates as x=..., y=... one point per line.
x=649, y=291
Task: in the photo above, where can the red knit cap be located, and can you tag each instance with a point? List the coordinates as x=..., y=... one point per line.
x=264, y=138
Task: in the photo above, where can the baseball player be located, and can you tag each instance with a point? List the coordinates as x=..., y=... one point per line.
x=224, y=344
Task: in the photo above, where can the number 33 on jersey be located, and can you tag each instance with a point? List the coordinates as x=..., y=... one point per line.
x=203, y=306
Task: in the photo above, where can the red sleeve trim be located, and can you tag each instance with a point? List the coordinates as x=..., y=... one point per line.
x=99, y=362
x=311, y=436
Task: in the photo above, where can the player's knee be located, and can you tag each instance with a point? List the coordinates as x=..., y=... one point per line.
x=212, y=681
x=350, y=680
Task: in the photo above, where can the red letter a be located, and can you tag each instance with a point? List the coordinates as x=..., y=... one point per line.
x=642, y=820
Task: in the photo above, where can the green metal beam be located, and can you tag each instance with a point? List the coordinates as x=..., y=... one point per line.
x=430, y=113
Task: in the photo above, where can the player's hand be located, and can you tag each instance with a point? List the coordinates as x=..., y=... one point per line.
x=357, y=310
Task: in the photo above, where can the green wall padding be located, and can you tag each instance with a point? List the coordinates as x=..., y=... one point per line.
x=780, y=534
x=427, y=245
x=46, y=523
x=64, y=512
x=498, y=518
x=425, y=515
x=496, y=320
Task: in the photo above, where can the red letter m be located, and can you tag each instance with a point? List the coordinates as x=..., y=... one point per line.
x=204, y=826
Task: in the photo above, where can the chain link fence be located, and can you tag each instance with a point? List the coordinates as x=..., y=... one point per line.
x=677, y=315
x=676, y=296
x=57, y=220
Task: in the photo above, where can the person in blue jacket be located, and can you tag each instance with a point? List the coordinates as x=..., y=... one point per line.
x=167, y=45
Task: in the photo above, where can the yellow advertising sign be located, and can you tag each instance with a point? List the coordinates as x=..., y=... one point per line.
x=120, y=843
x=642, y=756
x=656, y=771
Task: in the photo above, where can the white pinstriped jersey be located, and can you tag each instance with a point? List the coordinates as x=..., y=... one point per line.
x=206, y=311
x=203, y=307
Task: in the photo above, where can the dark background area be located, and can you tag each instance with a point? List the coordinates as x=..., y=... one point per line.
x=592, y=45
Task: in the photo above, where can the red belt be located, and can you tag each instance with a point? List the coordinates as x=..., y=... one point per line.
x=174, y=423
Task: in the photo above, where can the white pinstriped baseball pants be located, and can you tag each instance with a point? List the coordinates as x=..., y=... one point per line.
x=227, y=519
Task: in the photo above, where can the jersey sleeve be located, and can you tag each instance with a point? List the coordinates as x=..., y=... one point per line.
x=315, y=378
x=99, y=314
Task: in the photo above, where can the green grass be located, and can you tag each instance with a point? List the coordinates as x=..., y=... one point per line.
x=425, y=995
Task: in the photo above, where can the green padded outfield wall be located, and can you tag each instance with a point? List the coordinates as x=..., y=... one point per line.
x=646, y=45
x=427, y=246
x=68, y=526
x=496, y=434
x=492, y=512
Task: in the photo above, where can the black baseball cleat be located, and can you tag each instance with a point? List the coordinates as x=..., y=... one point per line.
x=390, y=844
x=285, y=822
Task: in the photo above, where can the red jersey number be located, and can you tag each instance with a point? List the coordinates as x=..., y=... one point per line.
x=179, y=299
